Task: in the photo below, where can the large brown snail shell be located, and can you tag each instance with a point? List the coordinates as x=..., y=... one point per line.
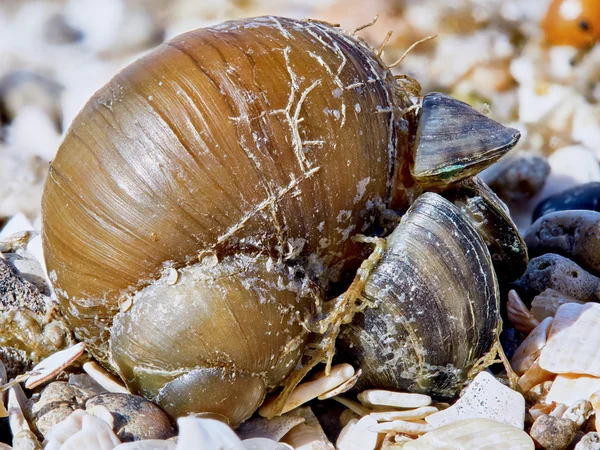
x=241, y=159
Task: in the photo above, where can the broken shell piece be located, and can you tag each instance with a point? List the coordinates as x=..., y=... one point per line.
x=534, y=376
x=473, y=434
x=53, y=365
x=65, y=429
x=569, y=388
x=101, y=412
x=486, y=398
x=308, y=435
x=401, y=426
x=374, y=397
x=595, y=402
x=573, y=341
x=519, y=315
x=23, y=438
x=95, y=434
x=103, y=378
x=344, y=387
x=547, y=303
x=171, y=276
x=264, y=444
x=206, y=434
x=559, y=410
x=308, y=390
x=150, y=444
x=357, y=435
x=411, y=414
x=530, y=348
x=579, y=412
x=275, y=428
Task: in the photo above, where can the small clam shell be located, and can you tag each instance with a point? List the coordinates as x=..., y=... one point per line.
x=436, y=303
x=569, y=388
x=374, y=397
x=344, y=387
x=455, y=141
x=308, y=390
x=491, y=218
x=530, y=348
x=547, y=303
x=519, y=315
x=473, y=434
x=357, y=435
x=573, y=340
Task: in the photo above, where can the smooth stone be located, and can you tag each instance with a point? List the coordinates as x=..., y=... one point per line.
x=553, y=433
x=484, y=398
x=585, y=196
x=591, y=441
x=135, y=418
x=518, y=178
x=552, y=271
x=57, y=401
x=574, y=234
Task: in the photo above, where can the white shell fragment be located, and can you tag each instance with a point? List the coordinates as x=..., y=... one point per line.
x=150, y=444
x=264, y=444
x=573, y=340
x=485, y=398
x=357, y=435
x=53, y=365
x=530, y=348
x=401, y=426
x=352, y=405
x=547, y=303
x=411, y=414
x=519, y=315
x=569, y=388
x=206, y=434
x=308, y=435
x=80, y=430
x=103, y=378
x=473, y=434
x=309, y=390
x=375, y=397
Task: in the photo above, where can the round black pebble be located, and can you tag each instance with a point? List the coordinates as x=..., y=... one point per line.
x=585, y=196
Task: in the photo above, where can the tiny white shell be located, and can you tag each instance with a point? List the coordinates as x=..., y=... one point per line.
x=573, y=340
x=54, y=364
x=374, y=397
x=473, y=434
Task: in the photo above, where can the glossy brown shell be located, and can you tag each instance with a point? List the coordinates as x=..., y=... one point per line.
x=266, y=135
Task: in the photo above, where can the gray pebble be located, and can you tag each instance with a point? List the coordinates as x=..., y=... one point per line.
x=22, y=88
x=16, y=292
x=518, y=178
x=551, y=271
x=55, y=403
x=574, y=234
x=585, y=196
x=553, y=433
x=135, y=418
x=591, y=441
